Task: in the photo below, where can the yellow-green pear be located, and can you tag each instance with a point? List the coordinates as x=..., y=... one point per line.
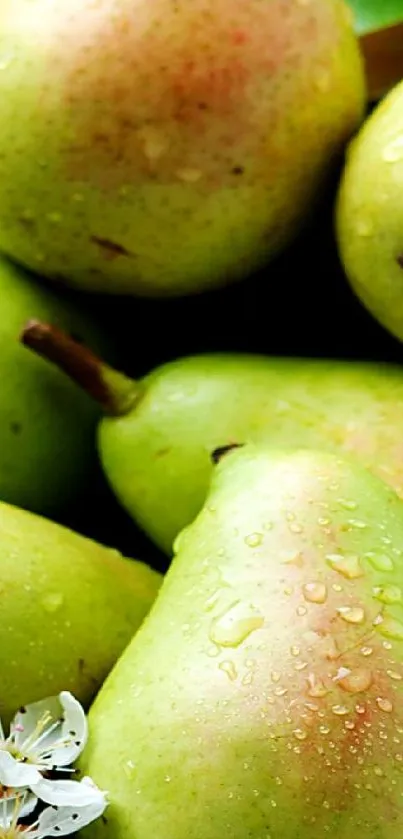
x=68, y=607
x=263, y=694
x=161, y=148
x=369, y=213
x=46, y=426
x=157, y=434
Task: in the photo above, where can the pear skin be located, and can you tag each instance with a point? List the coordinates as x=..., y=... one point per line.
x=262, y=695
x=157, y=434
x=46, y=426
x=68, y=607
x=162, y=148
x=369, y=213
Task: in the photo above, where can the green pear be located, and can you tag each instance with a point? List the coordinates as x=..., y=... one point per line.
x=369, y=213
x=161, y=148
x=68, y=607
x=262, y=695
x=46, y=426
x=157, y=435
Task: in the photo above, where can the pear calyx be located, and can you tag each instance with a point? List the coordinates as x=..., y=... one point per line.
x=218, y=454
x=115, y=392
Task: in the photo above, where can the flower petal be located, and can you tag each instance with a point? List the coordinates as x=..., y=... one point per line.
x=52, y=732
x=28, y=805
x=28, y=721
x=67, y=793
x=74, y=732
x=66, y=820
x=9, y=806
x=13, y=773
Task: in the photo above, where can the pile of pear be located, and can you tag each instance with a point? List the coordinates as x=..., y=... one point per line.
x=165, y=149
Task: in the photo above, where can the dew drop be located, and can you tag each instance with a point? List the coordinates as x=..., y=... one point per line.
x=295, y=528
x=279, y=691
x=253, y=540
x=366, y=651
x=212, y=601
x=348, y=566
x=384, y=704
x=347, y=503
x=357, y=681
x=299, y=734
x=235, y=625
x=301, y=610
x=349, y=724
x=324, y=729
x=130, y=769
x=393, y=152
x=315, y=592
x=340, y=710
x=300, y=665
x=316, y=686
x=295, y=651
x=388, y=594
x=391, y=628
x=292, y=558
x=351, y=614
x=229, y=668
x=275, y=676
x=378, y=771
x=394, y=675
x=357, y=523
x=52, y=601
x=380, y=561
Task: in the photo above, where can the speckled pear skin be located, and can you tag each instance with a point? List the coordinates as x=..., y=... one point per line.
x=166, y=147
x=157, y=457
x=369, y=213
x=68, y=607
x=262, y=695
x=46, y=425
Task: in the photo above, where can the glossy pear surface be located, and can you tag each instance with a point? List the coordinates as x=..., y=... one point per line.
x=68, y=607
x=370, y=213
x=263, y=694
x=165, y=147
x=158, y=456
x=46, y=425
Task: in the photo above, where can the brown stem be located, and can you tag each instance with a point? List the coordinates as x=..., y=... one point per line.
x=112, y=390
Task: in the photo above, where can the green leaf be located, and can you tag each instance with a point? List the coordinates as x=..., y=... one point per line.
x=371, y=15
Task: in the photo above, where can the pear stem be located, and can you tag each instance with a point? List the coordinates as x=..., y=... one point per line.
x=114, y=391
x=383, y=58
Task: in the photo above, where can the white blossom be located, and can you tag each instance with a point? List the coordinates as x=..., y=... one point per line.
x=46, y=735
x=45, y=738
x=52, y=821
